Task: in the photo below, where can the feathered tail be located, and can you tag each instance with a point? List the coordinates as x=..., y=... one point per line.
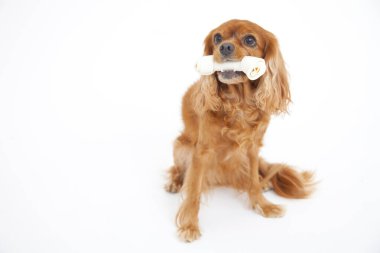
x=286, y=181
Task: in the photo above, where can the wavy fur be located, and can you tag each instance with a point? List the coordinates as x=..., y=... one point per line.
x=225, y=122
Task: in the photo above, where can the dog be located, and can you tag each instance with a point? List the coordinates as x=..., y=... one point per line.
x=225, y=117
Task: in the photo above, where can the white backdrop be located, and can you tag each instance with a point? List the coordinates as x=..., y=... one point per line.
x=90, y=95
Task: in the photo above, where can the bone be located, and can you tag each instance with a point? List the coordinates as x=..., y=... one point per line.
x=253, y=67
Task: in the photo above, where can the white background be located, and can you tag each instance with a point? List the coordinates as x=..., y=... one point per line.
x=90, y=95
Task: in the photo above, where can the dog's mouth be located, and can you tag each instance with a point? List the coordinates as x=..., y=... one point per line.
x=230, y=76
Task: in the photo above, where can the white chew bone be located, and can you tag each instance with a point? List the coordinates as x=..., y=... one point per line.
x=253, y=67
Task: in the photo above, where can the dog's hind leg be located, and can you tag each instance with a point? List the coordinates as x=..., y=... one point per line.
x=183, y=151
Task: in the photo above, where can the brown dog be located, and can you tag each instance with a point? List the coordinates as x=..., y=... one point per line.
x=225, y=117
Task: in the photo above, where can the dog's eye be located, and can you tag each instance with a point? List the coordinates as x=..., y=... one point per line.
x=249, y=40
x=217, y=38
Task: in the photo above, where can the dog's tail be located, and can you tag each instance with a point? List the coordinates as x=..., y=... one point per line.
x=286, y=181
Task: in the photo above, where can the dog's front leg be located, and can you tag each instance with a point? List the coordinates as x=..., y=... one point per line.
x=258, y=201
x=187, y=217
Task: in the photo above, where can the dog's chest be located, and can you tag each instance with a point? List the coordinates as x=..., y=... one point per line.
x=240, y=122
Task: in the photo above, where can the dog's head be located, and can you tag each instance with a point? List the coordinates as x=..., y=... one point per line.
x=235, y=39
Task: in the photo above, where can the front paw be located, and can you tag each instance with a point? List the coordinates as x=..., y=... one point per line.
x=189, y=233
x=270, y=210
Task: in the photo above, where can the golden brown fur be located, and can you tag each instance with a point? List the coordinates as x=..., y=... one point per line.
x=224, y=128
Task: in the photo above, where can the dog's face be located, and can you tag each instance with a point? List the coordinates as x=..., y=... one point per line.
x=232, y=41
x=235, y=39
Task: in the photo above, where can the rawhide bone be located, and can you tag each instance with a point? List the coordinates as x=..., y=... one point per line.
x=253, y=67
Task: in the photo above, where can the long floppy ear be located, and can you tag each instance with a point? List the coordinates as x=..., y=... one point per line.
x=208, y=49
x=205, y=94
x=273, y=94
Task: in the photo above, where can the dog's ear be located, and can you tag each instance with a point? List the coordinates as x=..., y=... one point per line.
x=273, y=94
x=208, y=45
x=206, y=96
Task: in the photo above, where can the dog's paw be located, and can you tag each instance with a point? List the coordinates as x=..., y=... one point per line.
x=175, y=176
x=270, y=210
x=173, y=187
x=189, y=233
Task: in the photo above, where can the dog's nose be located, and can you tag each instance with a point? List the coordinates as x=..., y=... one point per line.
x=227, y=49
